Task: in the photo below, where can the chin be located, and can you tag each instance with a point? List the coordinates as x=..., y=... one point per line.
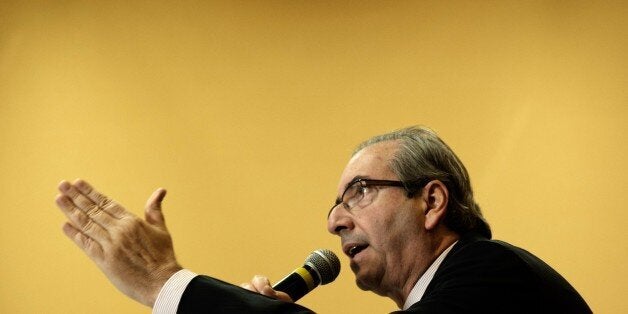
x=370, y=287
x=365, y=282
x=362, y=285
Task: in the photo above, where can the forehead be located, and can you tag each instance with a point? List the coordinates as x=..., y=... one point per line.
x=371, y=162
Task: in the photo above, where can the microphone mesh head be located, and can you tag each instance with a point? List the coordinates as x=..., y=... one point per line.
x=325, y=263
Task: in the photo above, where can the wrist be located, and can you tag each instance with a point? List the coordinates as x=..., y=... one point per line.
x=160, y=277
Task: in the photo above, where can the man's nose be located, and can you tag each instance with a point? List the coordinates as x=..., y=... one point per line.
x=339, y=219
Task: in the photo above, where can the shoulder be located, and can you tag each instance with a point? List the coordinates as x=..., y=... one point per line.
x=499, y=258
x=498, y=263
x=478, y=260
x=477, y=251
x=496, y=277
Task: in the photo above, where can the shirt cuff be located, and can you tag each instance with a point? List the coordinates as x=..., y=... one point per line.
x=170, y=294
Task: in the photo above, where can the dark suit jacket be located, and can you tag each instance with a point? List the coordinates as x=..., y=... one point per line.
x=488, y=276
x=477, y=276
x=209, y=295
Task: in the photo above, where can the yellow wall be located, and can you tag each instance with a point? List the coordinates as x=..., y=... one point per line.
x=247, y=112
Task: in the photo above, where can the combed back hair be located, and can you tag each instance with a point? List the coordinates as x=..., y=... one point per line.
x=422, y=156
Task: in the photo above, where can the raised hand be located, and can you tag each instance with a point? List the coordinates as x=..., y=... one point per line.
x=136, y=255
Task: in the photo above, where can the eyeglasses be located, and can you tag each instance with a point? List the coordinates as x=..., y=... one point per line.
x=359, y=193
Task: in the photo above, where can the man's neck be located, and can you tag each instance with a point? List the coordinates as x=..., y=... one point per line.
x=436, y=246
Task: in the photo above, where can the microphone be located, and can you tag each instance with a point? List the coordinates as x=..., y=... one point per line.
x=321, y=267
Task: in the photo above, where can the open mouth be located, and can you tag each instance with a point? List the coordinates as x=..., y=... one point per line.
x=354, y=250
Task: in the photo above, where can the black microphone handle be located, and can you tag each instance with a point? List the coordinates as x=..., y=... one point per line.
x=301, y=281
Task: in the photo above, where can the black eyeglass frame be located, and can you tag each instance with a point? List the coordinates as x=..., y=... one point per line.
x=410, y=188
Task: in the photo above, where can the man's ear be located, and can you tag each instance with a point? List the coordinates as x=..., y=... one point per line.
x=436, y=196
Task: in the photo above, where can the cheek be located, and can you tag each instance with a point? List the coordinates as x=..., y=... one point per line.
x=403, y=227
x=390, y=227
x=387, y=233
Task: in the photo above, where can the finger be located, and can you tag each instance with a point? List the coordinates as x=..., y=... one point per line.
x=283, y=296
x=262, y=285
x=80, y=200
x=107, y=204
x=85, y=204
x=80, y=220
x=248, y=286
x=153, y=212
x=92, y=248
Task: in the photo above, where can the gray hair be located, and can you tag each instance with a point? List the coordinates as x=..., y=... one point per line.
x=422, y=156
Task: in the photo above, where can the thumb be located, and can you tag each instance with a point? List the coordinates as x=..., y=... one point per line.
x=152, y=212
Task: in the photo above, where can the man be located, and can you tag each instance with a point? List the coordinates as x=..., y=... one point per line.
x=406, y=217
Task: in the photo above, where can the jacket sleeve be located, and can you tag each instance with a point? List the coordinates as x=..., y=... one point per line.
x=209, y=295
